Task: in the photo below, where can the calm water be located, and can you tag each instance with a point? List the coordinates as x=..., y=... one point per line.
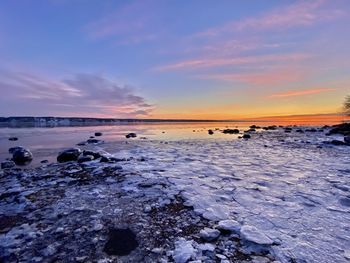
x=45, y=143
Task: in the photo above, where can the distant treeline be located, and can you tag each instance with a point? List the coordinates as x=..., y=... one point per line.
x=78, y=121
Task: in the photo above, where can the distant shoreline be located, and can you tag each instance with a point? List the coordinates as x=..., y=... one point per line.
x=28, y=121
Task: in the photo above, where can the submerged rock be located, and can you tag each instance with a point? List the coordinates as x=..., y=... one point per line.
x=94, y=141
x=13, y=139
x=22, y=156
x=68, y=155
x=121, y=242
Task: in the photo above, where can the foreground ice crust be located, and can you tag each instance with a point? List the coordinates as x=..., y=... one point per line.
x=286, y=194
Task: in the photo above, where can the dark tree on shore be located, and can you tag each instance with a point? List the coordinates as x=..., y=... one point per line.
x=347, y=105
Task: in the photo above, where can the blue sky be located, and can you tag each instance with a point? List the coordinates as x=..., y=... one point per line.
x=173, y=59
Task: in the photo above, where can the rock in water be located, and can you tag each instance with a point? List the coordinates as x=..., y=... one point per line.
x=252, y=234
x=13, y=139
x=131, y=135
x=246, y=136
x=22, y=156
x=68, y=155
x=121, y=242
x=210, y=132
x=209, y=234
x=98, y=133
x=13, y=149
x=230, y=131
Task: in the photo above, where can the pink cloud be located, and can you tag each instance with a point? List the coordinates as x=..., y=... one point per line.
x=273, y=77
x=216, y=62
x=295, y=93
x=301, y=13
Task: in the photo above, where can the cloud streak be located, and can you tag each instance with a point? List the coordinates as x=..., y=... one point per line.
x=217, y=62
x=85, y=93
x=301, y=13
x=298, y=93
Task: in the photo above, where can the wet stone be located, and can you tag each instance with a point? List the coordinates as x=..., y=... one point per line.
x=121, y=242
x=13, y=139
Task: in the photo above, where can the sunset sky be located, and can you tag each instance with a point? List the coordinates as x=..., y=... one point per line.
x=173, y=59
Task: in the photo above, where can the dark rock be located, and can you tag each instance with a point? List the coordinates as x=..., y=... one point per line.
x=230, y=131
x=44, y=161
x=81, y=143
x=91, y=137
x=96, y=155
x=131, y=135
x=347, y=139
x=85, y=158
x=105, y=159
x=343, y=128
x=336, y=142
x=311, y=130
x=94, y=141
x=13, y=139
x=98, y=134
x=68, y=155
x=272, y=127
x=12, y=150
x=246, y=136
x=300, y=131
x=121, y=242
x=210, y=132
x=255, y=127
x=22, y=156
x=7, y=164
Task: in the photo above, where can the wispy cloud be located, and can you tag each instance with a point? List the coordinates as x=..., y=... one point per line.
x=272, y=77
x=86, y=93
x=301, y=13
x=297, y=93
x=216, y=62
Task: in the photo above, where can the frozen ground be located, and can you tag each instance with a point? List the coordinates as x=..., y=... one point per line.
x=284, y=186
x=281, y=196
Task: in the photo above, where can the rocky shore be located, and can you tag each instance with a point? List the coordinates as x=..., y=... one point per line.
x=182, y=201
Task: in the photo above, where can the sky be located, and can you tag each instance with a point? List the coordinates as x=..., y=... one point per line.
x=197, y=59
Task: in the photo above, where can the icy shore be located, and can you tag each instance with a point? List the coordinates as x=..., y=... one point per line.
x=275, y=197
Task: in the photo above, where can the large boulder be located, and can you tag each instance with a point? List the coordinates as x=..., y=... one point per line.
x=343, y=128
x=68, y=155
x=22, y=156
